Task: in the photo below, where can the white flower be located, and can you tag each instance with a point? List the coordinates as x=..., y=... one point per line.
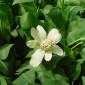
x=44, y=44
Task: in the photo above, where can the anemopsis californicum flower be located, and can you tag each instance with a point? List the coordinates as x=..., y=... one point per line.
x=44, y=44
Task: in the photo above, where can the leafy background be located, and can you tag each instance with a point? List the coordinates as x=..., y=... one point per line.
x=17, y=17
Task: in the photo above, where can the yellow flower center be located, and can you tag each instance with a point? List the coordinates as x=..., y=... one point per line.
x=46, y=44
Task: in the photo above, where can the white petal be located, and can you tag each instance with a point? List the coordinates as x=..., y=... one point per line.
x=54, y=35
x=57, y=50
x=34, y=34
x=48, y=56
x=31, y=43
x=37, y=57
x=42, y=32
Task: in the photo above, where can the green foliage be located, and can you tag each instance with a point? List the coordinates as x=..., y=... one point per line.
x=2, y=81
x=17, y=17
x=21, y=1
x=4, y=51
x=83, y=79
x=76, y=32
x=25, y=78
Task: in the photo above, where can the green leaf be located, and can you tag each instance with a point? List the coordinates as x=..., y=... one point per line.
x=23, y=67
x=83, y=80
x=27, y=21
x=21, y=33
x=49, y=20
x=4, y=28
x=68, y=2
x=72, y=68
x=2, y=81
x=75, y=2
x=76, y=32
x=70, y=11
x=55, y=60
x=49, y=75
x=14, y=33
x=30, y=9
x=7, y=11
x=47, y=9
x=76, y=71
x=61, y=77
x=6, y=21
x=4, y=51
x=6, y=80
x=21, y=1
x=24, y=21
x=46, y=81
x=4, y=67
x=69, y=52
x=74, y=10
x=82, y=53
x=57, y=18
x=25, y=78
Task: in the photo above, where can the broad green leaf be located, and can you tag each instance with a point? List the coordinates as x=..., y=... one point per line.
x=72, y=68
x=4, y=51
x=46, y=81
x=82, y=53
x=4, y=27
x=50, y=75
x=24, y=21
x=30, y=9
x=76, y=71
x=47, y=9
x=4, y=67
x=27, y=21
x=68, y=2
x=21, y=33
x=83, y=3
x=61, y=77
x=5, y=80
x=57, y=18
x=83, y=80
x=14, y=33
x=25, y=78
x=74, y=10
x=76, y=32
x=55, y=60
x=23, y=67
x=1, y=13
x=8, y=12
x=70, y=11
x=6, y=21
x=2, y=81
x=21, y=1
x=49, y=20
x=75, y=2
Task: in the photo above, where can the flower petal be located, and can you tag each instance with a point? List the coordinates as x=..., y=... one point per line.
x=54, y=35
x=31, y=43
x=57, y=50
x=42, y=32
x=37, y=57
x=34, y=34
x=48, y=56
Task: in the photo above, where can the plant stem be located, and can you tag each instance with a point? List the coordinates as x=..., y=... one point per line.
x=76, y=45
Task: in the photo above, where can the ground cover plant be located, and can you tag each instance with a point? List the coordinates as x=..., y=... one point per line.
x=42, y=42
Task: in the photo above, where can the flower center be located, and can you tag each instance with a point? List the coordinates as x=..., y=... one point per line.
x=46, y=44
